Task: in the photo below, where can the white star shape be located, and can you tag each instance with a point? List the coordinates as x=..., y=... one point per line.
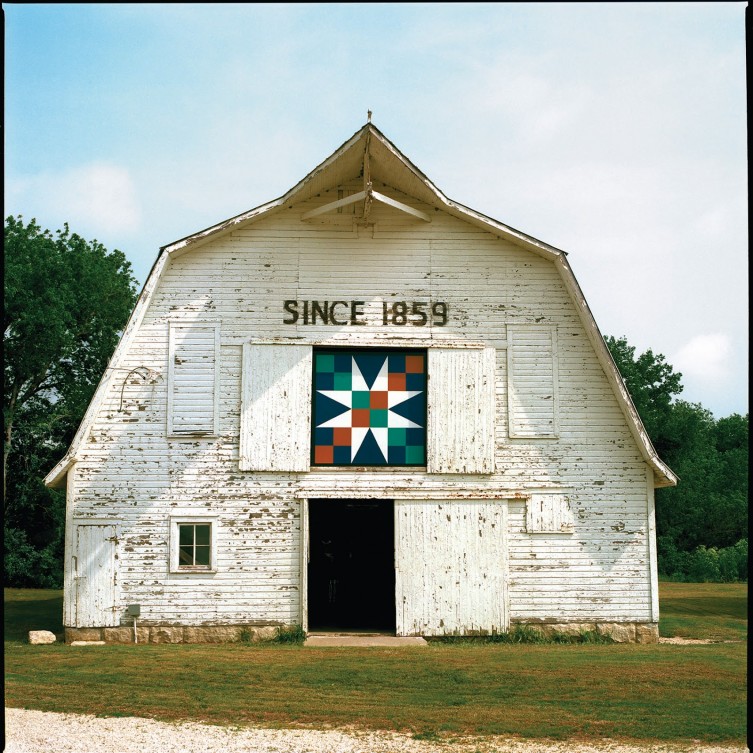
x=358, y=433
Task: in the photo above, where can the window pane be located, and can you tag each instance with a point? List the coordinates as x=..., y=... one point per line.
x=186, y=555
x=202, y=556
x=202, y=534
x=186, y=534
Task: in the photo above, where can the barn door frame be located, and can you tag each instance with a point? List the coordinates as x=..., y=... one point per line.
x=305, y=556
x=305, y=548
x=81, y=617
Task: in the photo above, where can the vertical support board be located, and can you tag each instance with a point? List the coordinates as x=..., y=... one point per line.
x=305, y=550
x=532, y=389
x=276, y=408
x=461, y=410
x=451, y=566
x=69, y=573
x=94, y=575
x=653, y=564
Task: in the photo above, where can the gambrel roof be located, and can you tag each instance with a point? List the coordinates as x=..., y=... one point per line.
x=370, y=156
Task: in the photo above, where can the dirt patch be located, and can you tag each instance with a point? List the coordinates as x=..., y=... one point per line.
x=689, y=641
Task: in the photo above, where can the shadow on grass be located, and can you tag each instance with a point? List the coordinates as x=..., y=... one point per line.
x=716, y=611
x=29, y=609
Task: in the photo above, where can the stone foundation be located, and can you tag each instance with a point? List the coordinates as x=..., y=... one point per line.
x=175, y=634
x=620, y=632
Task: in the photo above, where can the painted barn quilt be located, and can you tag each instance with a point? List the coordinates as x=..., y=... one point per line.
x=369, y=407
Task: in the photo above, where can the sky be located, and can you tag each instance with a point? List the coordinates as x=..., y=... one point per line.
x=614, y=131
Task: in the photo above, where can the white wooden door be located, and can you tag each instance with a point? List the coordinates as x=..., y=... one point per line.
x=451, y=566
x=94, y=573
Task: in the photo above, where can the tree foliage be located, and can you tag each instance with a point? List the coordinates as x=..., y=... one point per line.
x=652, y=383
x=66, y=301
x=706, y=514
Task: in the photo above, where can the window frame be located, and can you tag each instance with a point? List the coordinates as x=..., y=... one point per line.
x=176, y=521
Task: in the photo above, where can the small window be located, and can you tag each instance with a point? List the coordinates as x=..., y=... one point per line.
x=193, y=545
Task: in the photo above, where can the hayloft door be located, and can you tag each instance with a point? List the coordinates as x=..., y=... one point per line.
x=94, y=574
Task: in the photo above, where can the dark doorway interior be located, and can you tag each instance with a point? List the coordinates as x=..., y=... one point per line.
x=351, y=572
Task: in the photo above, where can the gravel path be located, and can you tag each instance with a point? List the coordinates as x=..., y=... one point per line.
x=44, y=732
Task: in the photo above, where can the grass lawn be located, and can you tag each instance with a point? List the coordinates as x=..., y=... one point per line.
x=718, y=611
x=640, y=692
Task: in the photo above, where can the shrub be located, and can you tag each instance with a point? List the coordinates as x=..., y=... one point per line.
x=704, y=564
x=291, y=634
x=526, y=634
x=27, y=567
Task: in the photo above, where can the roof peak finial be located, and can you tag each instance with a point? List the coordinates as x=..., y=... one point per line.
x=368, y=115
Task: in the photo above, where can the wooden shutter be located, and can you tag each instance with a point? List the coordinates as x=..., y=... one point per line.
x=461, y=409
x=193, y=379
x=549, y=513
x=532, y=393
x=276, y=408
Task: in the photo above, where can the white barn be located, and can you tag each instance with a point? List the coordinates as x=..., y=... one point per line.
x=361, y=406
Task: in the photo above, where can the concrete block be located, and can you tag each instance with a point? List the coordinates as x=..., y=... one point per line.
x=125, y=635
x=647, y=632
x=265, y=633
x=620, y=632
x=83, y=634
x=213, y=634
x=41, y=637
x=571, y=628
x=166, y=635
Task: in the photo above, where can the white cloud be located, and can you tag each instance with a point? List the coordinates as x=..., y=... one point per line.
x=705, y=358
x=98, y=198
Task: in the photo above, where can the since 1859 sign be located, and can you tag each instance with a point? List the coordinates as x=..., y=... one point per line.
x=342, y=313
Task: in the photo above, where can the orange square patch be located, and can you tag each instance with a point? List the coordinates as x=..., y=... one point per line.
x=378, y=400
x=396, y=382
x=414, y=364
x=324, y=454
x=361, y=417
x=342, y=436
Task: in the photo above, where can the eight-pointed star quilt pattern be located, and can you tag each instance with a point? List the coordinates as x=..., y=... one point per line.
x=369, y=407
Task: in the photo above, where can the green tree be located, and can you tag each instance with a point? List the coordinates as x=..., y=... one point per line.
x=708, y=509
x=66, y=301
x=652, y=383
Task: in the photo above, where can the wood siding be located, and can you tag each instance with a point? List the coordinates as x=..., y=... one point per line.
x=129, y=468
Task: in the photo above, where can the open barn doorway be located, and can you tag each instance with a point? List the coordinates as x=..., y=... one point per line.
x=351, y=570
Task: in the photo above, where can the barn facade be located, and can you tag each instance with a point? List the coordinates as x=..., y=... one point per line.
x=361, y=406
